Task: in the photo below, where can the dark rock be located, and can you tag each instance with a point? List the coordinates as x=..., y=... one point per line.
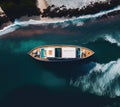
x=3, y=20
x=18, y=8
x=53, y=11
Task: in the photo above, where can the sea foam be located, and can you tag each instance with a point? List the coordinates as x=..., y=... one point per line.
x=112, y=39
x=79, y=21
x=102, y=80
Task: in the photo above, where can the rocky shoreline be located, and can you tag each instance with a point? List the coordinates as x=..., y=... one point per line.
x=11, y=10
x=15, y=9
x=4, y=20
x=63, y=11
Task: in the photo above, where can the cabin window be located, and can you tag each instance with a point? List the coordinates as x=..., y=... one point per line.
x=78, y=53
x=58, y=52
x=42, y=53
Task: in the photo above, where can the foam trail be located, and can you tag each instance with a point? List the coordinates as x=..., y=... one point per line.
x=112, y=40
x=8, y=29
x=17, y=24
x=102, y=80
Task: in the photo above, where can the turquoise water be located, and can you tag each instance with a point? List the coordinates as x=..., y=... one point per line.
x=24, y=81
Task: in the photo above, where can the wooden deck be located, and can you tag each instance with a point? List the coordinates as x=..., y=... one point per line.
x=87, y=51
x=87, y=54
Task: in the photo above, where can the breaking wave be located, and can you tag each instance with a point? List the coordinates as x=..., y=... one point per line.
x=64, y=22
x=113, y=40
x=102, y=80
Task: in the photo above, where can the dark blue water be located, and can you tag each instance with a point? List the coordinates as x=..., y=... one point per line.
x=25, y=82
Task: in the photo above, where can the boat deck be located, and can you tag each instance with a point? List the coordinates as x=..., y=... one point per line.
x=85, y=52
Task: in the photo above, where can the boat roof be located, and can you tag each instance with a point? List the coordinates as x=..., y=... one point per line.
x=64, y=51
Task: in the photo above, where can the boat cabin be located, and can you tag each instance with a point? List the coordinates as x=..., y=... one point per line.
x=60, y=52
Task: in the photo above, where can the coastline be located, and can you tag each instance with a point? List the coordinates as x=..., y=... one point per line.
x=40, y=29
x=43, y=6
x=110, y=15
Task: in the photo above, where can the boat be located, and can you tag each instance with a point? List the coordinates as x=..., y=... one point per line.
x=60, y=53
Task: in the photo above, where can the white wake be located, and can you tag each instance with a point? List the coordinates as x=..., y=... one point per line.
x=102, y=80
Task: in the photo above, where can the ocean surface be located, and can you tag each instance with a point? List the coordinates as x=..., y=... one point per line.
x=25, y=82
